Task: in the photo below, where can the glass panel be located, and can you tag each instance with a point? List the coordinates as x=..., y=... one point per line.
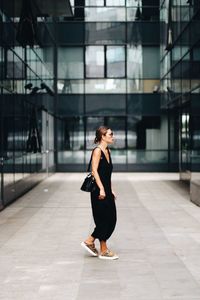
x=149, y=133
x=151, y=86
x=100, y=86
x=69, y=105
x=132, y=131
x=134, y=61
x=69, y=86
x=143, y=104
x=71, y=141
x=48, y=54
x=143, y=86
x=115, y=56
x=134, y=14
x=185, y=140
x=70, y=33
x=134, y=86
x=115, y=2
x=147, y=157
x=95, y=58
x=132, y=2
x=105, y=33
x=118, y=149
x=94, y=2
x=70, y=63
x=151, y=62
x=102, y=14
x=105, y=104
x=15, y=65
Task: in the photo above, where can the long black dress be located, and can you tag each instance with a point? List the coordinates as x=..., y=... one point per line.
x=104, y=211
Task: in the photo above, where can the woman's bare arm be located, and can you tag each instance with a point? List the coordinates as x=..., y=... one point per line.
x=95, y=163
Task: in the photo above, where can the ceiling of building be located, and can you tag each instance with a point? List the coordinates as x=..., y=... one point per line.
x=40, y=8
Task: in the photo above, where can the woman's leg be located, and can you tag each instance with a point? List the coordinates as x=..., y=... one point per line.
x=103, y=246
x=90, y=240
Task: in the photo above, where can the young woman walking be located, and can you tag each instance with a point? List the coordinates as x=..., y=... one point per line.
x=103, y=198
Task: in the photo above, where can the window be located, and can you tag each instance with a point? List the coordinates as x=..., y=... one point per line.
x=70, y=62
x=151, y=62
x=115, y=56
x=95, y=61
x=105, y=62
x=94, y=2
x=115, y=2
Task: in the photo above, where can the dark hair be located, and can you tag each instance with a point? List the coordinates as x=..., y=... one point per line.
x=102, y=130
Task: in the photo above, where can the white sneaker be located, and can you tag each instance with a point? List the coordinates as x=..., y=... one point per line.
x=90, y=248
x=108, y=255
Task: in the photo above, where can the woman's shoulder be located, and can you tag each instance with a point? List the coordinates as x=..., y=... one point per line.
x=97, y=150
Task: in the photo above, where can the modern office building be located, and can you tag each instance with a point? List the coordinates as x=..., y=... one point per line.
x=180, y=85
x=69, y=66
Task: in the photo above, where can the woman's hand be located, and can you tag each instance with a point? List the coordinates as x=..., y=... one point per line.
x=102, y=194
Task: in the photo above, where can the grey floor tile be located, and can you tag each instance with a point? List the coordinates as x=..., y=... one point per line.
x=157, y=238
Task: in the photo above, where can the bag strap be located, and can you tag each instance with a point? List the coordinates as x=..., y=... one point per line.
x=89, y=165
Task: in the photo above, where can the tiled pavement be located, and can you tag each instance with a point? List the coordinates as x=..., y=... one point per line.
x=157, y=238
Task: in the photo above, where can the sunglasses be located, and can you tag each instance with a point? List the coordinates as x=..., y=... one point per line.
x=110, y=134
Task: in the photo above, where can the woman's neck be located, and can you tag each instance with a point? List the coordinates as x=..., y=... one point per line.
x=103, y=146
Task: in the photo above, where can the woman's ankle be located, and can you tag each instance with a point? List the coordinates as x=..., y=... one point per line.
x=103, y=247
x=90, y=240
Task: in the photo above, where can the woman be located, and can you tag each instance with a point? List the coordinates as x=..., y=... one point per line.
x=103, y=198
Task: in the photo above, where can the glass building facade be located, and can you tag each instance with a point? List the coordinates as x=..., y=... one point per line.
x=180, y=84
x=128, y=64
x=26, y=109
x=109, y=73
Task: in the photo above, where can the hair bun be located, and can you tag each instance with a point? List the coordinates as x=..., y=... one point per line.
x=99, y=133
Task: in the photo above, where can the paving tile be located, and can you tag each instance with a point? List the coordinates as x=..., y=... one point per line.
x=157, y=238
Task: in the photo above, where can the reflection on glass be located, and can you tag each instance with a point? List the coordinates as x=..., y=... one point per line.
x=151, y=62
x=47, y=54
x=132, y=2
x=95, y=61
x=69, y=86
x=71, y=134
x=105, y=86
x=94, y=2
x=105, y=33
x=36, y=64
x=134, y=61
x=151, y=85
x=134, y=86
x=103, y=104
x=132, y=132
x=147, y=157
x=102, y=14
x=71, y=141
x=115, y=2
x=115, y=56
x=15, y=65
x=70, y=62
x=195, y=85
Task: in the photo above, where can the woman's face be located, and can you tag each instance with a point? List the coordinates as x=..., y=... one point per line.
x=108, y=137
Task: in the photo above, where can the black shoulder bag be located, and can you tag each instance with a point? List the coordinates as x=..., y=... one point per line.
x=89, y=183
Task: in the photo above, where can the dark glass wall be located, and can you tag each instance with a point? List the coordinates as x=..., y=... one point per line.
x=26, y=106
x=180, y=81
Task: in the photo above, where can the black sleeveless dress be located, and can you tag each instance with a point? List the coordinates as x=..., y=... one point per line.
x=104, y=211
